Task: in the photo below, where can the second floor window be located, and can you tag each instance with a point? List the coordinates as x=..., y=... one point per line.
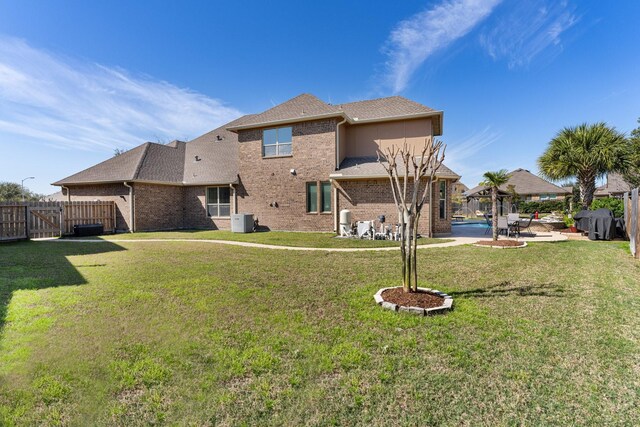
x=276, y=142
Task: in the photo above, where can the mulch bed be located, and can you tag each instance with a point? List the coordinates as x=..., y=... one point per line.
x=503, y=243
x=420, y=299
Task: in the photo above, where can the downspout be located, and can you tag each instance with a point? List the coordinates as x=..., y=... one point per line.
x=336, y=225
x=68, y=192
x=235, y=201
x=338, y=143
x=132, y=228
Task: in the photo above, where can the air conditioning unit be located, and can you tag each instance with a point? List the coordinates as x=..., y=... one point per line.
x=242, y=223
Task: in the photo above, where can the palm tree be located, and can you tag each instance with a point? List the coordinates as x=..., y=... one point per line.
x=586, y=152
x=495, y=180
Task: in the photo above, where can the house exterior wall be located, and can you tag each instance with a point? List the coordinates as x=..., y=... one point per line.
x=364, y=140
x=158, y=207
x=269, y=190
x=195, y=211
x=442, y=226
x=370, y=198
x=536, y=197
x=117, y=193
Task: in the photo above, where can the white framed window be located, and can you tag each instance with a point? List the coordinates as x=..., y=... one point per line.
x=276, y=142
x=442, y=206
x=218, y=202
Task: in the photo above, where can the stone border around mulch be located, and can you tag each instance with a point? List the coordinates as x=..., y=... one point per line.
x=418, y=311
x=501, y=247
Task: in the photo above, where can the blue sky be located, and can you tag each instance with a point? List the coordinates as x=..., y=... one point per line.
x=78, y=79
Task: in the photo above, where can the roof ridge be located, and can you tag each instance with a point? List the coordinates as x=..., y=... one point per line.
x=144, y=155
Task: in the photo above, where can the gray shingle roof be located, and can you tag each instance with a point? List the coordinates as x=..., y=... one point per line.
x=383, y=108
x=173, y=163
x=213, y=157
x=309, y=107
x=370, y=167
x=615, y=185
x=217, y=153
x=524, y=183
x=302, y=106
x=120, y=168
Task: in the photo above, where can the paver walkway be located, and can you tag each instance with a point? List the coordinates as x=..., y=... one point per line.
x=457, y=241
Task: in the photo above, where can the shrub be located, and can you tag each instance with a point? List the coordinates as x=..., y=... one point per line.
x=614, y=205
x=544, y=206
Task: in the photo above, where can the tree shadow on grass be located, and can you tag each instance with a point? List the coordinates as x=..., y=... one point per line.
x=506, y=289
x=40, y=265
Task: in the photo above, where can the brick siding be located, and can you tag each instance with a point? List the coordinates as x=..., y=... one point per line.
x=368, y=199
x=269, y=190
x=157, y=207
x=117, y=193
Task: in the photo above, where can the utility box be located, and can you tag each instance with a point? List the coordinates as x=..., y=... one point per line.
x=88, y=230
x=242, y=223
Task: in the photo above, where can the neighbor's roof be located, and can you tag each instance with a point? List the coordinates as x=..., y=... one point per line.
x=615, y=185
x=204, y=160
x=524, y=183
x=370, y=167
x=308, y=107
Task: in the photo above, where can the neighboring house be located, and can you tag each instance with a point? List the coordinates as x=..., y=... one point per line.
x=459, y=189
x=616, y=186
x=528, y=186
x=294, y=166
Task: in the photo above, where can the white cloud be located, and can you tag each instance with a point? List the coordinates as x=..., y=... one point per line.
x=527, y=30
x=461, y=157
x=415, y=39
x=62, y=102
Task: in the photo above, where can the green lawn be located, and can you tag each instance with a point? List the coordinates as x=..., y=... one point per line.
x=280, y=238
x=198, y=334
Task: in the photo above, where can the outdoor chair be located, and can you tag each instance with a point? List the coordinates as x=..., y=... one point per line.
x=503, y=225
x=489, y=224
x=526, y=224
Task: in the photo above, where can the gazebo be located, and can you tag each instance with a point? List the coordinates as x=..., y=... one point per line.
x=475, y=195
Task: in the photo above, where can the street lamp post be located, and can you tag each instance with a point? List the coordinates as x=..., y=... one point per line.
x=22, y=185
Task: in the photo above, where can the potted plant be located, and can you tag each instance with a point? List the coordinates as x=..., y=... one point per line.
x=570, y=223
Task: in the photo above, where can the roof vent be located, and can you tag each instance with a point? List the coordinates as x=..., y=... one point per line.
x=302, y=113
x=198, y=158
x=218, y=138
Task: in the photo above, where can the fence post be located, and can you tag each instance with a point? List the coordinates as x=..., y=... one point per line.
x=27, y=218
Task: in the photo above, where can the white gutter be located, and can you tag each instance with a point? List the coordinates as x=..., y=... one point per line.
x=132, y=228
x=341, y=177
x=338, y=143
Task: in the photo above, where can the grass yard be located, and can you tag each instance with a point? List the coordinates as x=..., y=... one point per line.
x=175, y=333
x=280, y=238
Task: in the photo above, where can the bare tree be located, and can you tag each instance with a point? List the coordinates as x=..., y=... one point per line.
x=407, y=172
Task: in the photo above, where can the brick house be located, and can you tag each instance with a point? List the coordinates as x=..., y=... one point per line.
x=294, y=166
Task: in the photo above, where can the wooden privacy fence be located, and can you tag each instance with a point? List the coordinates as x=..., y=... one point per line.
x=23, y=220
x=632, y=220
x=13, y=222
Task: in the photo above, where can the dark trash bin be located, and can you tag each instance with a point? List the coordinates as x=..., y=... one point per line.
x=88, y=230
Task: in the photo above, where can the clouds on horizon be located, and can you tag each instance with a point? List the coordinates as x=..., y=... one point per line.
x=415, y=39
x=66, y=103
